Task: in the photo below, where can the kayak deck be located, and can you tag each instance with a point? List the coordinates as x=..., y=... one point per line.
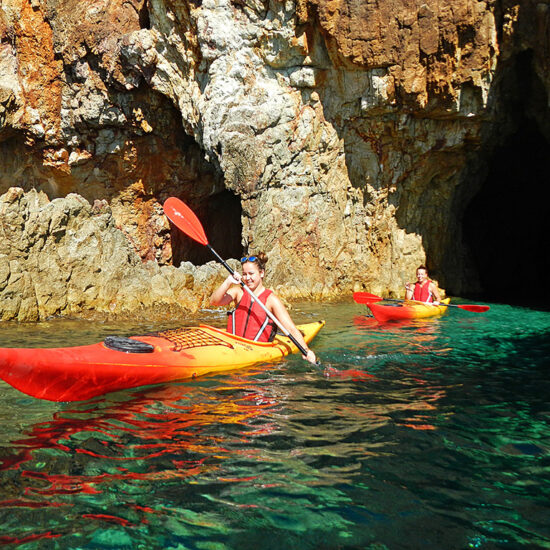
x=406, y=310
x=82, y=372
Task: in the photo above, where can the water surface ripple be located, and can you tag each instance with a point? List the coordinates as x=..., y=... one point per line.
x=431, y=434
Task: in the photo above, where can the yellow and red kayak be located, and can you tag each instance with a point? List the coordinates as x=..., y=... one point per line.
x=82, y=372
x=406, y=310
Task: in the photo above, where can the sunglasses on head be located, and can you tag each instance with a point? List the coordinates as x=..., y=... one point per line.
x=245, y=259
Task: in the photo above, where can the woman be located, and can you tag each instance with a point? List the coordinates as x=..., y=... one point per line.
x=423, y=290
x=249, y=320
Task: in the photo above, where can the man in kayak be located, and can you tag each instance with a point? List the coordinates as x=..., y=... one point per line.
x=423, y=290
x=248, y=319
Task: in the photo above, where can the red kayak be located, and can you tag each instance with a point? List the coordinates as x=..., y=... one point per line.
x=82, y=372
x=406, y=310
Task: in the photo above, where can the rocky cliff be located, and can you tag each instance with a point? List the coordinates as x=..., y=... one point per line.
x=66, y=257
x=344, y=138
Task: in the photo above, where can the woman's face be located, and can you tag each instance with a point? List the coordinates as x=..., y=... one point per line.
x=252, y=275
x=421, y=275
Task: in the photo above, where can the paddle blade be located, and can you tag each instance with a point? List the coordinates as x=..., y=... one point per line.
x=366, y=298
x=184, y=219
x=474, y=308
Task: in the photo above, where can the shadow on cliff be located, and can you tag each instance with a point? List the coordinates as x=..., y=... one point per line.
x=505, y=225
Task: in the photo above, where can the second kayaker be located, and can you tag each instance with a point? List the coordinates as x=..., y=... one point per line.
x=248, y=319
x=424, y=290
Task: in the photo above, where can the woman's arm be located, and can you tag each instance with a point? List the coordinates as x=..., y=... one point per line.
x=279, y=310
x=435, y=293
x=227, y=292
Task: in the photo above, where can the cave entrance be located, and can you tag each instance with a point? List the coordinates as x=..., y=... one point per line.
x=220, y=215
x=506, y=225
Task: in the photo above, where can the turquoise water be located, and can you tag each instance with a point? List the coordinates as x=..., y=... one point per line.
x=443, y=443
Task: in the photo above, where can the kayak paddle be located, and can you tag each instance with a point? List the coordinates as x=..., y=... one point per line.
x=186, y=220
x=365, y=298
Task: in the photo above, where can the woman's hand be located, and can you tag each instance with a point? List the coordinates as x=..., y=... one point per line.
x=234, y=279
x=310, y=356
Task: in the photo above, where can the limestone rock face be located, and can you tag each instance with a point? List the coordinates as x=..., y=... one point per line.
x=65, y=257
x=346, y=130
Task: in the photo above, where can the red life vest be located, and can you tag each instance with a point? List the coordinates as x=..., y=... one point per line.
x=250, y=321
x=423, y=293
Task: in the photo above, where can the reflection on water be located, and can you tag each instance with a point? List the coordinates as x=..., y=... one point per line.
x=430, y=434
x=128, y=446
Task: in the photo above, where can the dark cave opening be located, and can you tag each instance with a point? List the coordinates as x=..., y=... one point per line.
x=506, y=225
x=220, y=216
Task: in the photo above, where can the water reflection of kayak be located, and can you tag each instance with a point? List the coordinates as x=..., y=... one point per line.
x=117, y=363
x=406, y=310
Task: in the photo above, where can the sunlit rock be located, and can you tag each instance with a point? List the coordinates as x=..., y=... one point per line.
x=64, y=257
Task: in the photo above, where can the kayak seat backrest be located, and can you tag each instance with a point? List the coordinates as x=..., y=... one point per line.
x=127, y=345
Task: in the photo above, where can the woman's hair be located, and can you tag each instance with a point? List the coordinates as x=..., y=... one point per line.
x=260, y=259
